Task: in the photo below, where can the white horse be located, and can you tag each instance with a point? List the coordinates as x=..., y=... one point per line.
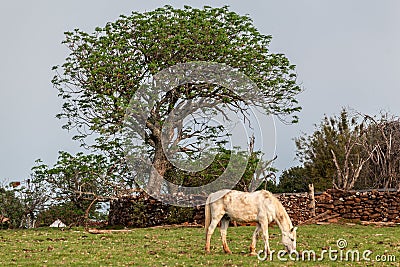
x=259, y=206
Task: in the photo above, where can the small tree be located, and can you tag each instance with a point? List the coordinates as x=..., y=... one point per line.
x=353, y=156
x=334, y=153
x=22, y=201
x=383, y=145
x=11, y=207
x=293, y=180
x=34, y=195
x=82, y=181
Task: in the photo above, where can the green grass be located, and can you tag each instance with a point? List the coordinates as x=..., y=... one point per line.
x=184, y=246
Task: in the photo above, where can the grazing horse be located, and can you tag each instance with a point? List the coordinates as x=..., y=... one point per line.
x=259, y=206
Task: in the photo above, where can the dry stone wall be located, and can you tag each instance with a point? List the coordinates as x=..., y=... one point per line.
x=144, y=211
x=297, y=206
x=377, y=206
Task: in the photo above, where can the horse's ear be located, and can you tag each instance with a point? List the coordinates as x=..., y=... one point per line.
x=266, y=194
x=294, y=229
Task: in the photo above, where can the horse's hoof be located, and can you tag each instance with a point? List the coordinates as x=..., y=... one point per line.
x=253, y=253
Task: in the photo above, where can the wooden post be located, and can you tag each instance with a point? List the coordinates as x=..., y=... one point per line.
x=312, y=198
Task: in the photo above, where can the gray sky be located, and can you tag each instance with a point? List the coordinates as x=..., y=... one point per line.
x=346, y=52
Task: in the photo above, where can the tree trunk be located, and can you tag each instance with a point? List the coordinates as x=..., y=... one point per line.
x=161, y=164
x=87, y=211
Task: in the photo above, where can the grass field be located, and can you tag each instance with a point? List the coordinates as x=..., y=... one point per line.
x=184, y=247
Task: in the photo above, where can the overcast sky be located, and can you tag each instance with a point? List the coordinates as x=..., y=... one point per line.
x=347, y=55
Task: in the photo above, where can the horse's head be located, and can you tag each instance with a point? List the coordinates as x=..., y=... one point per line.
x=289, y=239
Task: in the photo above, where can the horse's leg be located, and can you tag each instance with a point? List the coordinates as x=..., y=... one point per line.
x=254, y=240
x=264, y=228
x=224, y=229
x=210, y=231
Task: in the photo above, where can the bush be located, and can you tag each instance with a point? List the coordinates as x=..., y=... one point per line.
x=177, y=215
x=11, y=207
x=66, y=212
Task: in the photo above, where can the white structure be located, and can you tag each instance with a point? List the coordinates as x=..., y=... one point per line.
x=58, y=223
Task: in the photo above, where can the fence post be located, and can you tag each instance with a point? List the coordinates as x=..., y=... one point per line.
x=312, y=198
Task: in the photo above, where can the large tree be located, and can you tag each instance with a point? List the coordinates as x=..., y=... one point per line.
x=334, y=154
x=106, y=68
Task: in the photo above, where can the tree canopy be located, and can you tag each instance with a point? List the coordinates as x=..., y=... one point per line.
x=352, y=151
x=106, y=68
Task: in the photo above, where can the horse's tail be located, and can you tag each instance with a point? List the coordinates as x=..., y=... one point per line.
x=207, y=212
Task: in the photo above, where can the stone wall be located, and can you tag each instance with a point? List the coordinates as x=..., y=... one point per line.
x=298, y=206
x=144, y=211
x=377, y=206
